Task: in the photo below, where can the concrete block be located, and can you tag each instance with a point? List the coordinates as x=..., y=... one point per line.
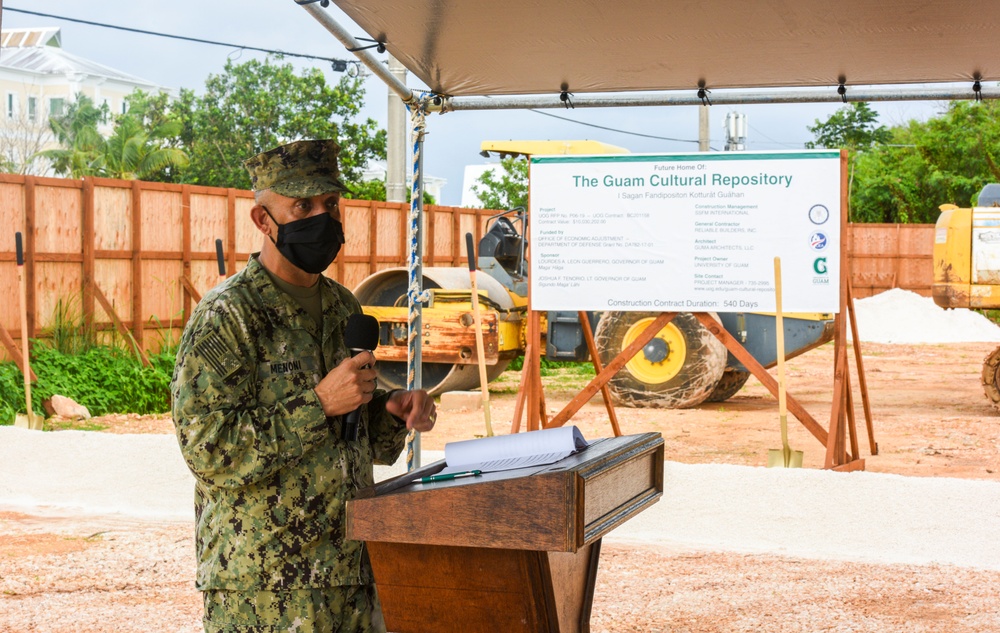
x=461, y=400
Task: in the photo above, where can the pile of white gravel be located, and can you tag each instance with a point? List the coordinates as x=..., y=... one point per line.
x=860, y=516
x=901, y=316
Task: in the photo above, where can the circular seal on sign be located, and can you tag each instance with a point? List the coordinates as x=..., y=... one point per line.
x=818, y=214
x=817, y=241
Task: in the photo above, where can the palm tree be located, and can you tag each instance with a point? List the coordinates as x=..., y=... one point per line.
x=135, y=153
x=76, y=131
x=132, y=152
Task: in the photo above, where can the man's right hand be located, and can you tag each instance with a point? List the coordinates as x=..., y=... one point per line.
x=348, y=386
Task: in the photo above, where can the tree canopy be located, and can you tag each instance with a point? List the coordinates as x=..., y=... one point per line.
x=134, y=150
x=906, y=173
x=504, y=188
x=203, y=139
x=256, y=105
x=852, y=127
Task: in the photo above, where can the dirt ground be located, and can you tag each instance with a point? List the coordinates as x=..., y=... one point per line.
x=929, y=415
x=930, y=419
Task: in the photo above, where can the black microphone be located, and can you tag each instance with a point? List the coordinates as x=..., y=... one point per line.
x=360, y=335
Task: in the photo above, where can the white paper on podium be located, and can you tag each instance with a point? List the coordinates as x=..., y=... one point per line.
x=518, y=450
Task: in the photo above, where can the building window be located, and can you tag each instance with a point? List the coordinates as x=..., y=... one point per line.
x=11, y=104
x=56, y=106
x=32, y=108
x=124, y=106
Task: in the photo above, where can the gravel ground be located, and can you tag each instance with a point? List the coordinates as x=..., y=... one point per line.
x=90, y=574
x=728, y=548
x=95, y=534
x=886, y=518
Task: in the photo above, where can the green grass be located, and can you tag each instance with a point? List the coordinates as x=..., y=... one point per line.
x=68, y=332
x=555, y=375
x=73, y=425
x=555, y=367
x=992, y=315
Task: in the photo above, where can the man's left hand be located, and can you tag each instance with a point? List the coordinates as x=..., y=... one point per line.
x=416, y=407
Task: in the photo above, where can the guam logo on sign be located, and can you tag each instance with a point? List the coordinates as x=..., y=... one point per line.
x=818, y=241
x=820, y=268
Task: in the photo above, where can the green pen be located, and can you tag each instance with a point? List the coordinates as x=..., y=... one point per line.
x=450, y=476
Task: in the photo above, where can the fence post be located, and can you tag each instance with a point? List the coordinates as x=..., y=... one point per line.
x=373, y=236
x=137, y=308
x=186, y=247
x=230, y=231
x=88, y=252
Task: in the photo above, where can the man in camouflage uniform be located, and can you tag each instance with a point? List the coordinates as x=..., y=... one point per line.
x=262, y=385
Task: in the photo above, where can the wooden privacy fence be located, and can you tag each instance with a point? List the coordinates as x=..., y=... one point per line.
x=886, y=256
x=136, y=256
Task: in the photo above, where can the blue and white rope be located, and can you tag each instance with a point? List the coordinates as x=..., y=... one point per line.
x=416, y=296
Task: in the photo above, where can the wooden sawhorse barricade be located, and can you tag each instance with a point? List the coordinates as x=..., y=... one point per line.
x=513, y=551
x=842, y=431
x=840, y=440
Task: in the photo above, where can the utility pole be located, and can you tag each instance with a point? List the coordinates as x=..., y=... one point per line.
x=703, y=128
x=397, y=130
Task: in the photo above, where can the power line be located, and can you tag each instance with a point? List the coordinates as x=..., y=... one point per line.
x=782, y=143
x=339, y=65
x=611, y=129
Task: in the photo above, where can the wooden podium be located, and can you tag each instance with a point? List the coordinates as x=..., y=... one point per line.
x=506, y=552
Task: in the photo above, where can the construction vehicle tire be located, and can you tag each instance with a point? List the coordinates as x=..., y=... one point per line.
x=678, y=369
x=388, y=288
x=991, y=377
x=731, y=382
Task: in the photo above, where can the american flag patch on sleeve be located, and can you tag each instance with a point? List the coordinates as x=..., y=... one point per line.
x=218, y=356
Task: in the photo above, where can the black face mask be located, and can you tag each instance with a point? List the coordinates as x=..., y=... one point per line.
x=310, y=244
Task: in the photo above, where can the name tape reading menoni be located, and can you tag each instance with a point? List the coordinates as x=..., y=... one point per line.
x=686, y=232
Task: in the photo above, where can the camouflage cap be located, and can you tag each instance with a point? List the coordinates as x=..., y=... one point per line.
x=297, y=170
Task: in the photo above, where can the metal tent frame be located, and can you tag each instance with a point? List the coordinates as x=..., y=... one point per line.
x=420, y=104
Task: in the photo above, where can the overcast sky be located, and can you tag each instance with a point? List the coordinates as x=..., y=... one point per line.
x=452, y=140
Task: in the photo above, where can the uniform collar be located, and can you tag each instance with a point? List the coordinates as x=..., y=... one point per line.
x=283, y=311
x=280, y=309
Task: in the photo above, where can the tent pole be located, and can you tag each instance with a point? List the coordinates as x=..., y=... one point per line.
x=395, y=169
x=951, y=92
x=373, y=63
x=415, y=293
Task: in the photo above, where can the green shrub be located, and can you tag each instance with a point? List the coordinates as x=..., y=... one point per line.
x=103, y=379
x=11, y=392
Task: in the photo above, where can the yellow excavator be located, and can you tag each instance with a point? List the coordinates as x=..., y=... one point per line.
x=967, y=267
x=681, y=367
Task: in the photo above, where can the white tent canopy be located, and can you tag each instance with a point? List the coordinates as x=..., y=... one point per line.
x=463, y=48
x=476, y=54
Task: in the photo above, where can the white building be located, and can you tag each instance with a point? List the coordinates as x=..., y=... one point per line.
x=433, y=185
x=37, y=80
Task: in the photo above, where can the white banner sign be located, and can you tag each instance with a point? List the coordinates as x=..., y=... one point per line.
x=686, y=232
